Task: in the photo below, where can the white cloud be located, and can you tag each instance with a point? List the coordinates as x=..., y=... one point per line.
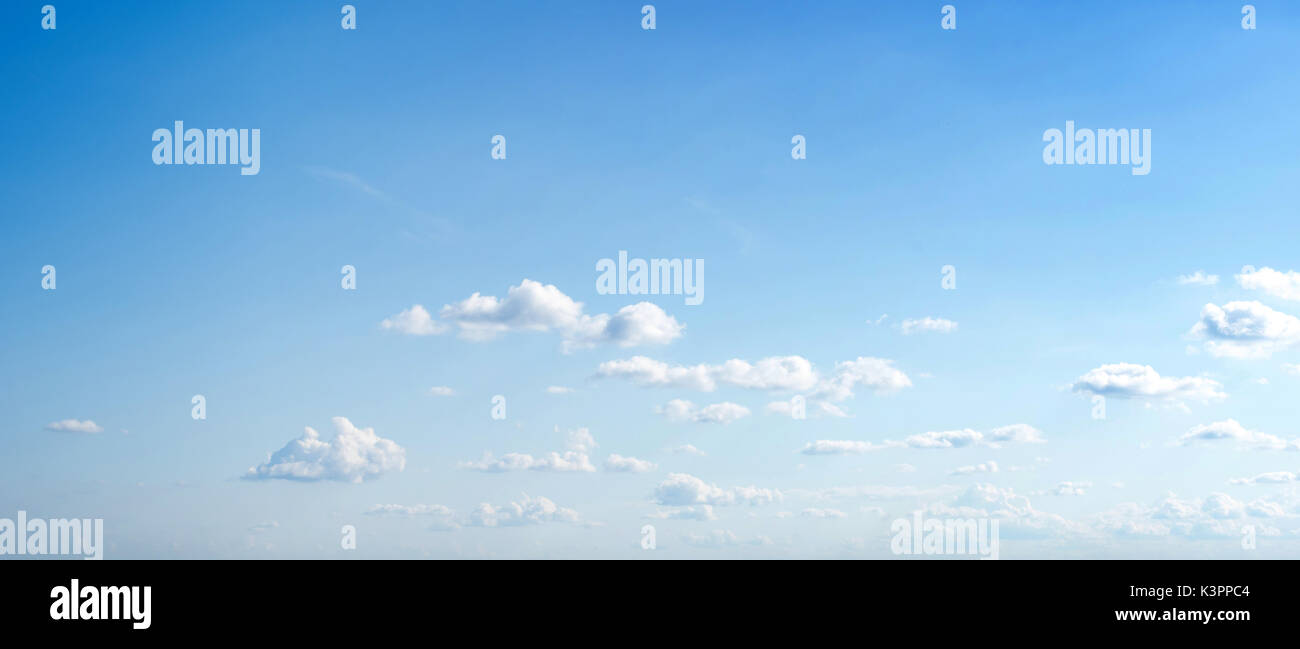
x=441, y=391
x=1231, y=429
x=74, y=426
x=1199, y=278
x=353, y=455
x=680, y=489
x=1132, y=381
x=618, y=463
x=936, y=325
x=528, y=511
x=558, y=389
x=1245, y=330
x=680, y=410
x=1015, y=433
x=414, y=321
x=1272, y=282
x=1291, y=368
x=533, y=306
x=1275, y=477
x=1072, y=488
x=553, y=461
x=576, y=458
x=983, y=467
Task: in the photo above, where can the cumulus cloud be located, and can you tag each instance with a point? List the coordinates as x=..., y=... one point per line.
x=353, y=455
x=528, y=511
x=414, y=321
x=937, y=325
x=680, y=410
x=1132, y=381
x=74, y=426
x=1230, y=429
x=1272, y=282
x=1199, y=278
x=558, y=389
x=1245, y=330
x=681, y=489
x=533, y=306
x=618, y=463
x=575, y=458
x=1274, y=477
x=441, y=391
x=983, y=467
x=1015, y=433
x=777, y=373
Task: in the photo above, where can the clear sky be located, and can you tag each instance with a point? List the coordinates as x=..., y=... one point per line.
x=822, y=278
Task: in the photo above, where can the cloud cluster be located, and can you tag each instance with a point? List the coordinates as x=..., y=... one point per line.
x=1132, y=381
x=353, y=455
x=681, y=489
x=681, y=410
x=618, y=463
x=1272, y=282
x=533, y=306
x=1245, y=330
x=1015, y=433
x=773, y=374
x=1199, y=278
x=1231, y=429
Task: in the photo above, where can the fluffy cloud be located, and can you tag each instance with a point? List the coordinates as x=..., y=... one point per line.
x=528, y=511
x=74, y=426
x=533, y=306
x=1231, y=429
x=553, y=461
x=558, y=389
x=1272, y=282
x=1072, y=488
x=442, y=391
x=1245, y=330
x=1021, y=433
x=775, y=373
x=353, y=455
x=1132, y=381
x=1199, y=278
x=414, y=321
x=580, y=444
x=618, y=463
x=1275, y=477
x=680, y=410
x=778, y=373
x=681, y=489
x=936, y=325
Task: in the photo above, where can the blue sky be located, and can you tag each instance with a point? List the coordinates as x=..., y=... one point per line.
x=924, y=150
